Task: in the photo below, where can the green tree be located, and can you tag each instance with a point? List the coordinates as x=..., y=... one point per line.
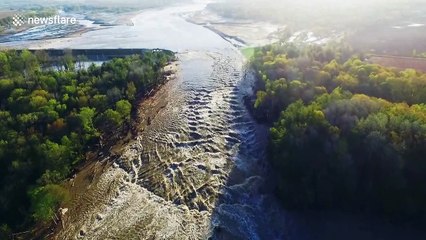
x=46, y=200
x=124, y=107
x=112, y=117
x=131, y=91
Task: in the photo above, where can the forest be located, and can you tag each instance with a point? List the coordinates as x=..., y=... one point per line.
x=345, y=134
x=321, y=15
x=379, y=26
x=51, y=116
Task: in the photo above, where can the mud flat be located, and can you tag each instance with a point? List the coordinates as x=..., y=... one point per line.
x=4, y=14
x=245, y=32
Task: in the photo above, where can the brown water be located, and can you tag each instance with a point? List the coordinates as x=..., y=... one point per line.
x=169, y=179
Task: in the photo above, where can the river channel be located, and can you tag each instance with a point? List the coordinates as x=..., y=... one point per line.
x=195, y=171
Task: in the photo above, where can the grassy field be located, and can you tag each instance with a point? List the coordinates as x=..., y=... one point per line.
x=399, y=62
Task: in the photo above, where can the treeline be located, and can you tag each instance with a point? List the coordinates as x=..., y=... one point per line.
x=50, y=118
x=328, y=14
x=346, y=134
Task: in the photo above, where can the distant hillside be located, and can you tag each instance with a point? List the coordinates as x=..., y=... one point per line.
x=380, y=26
x=322, y=13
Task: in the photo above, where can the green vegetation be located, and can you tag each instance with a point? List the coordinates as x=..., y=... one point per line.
x=50, y=119
x=248, y=52
x=326, y=14
x=346, y=134
x=378, y=26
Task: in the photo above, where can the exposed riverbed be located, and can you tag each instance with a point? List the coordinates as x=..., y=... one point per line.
x=195, y=170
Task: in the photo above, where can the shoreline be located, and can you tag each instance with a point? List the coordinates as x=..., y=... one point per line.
x=122, y=19
x=240, y=33
x=87, y=173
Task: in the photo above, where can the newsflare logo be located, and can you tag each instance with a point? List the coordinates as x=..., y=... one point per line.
x=19, y=20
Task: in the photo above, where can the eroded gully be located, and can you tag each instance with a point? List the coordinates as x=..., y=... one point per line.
x=194, y=172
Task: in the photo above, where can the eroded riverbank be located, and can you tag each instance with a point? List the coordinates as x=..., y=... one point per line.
x=167, y=181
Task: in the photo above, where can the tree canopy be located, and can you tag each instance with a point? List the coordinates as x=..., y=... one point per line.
x=345, y=133
x=50, y=118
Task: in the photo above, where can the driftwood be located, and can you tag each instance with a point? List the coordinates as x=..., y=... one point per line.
x=62, y=212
